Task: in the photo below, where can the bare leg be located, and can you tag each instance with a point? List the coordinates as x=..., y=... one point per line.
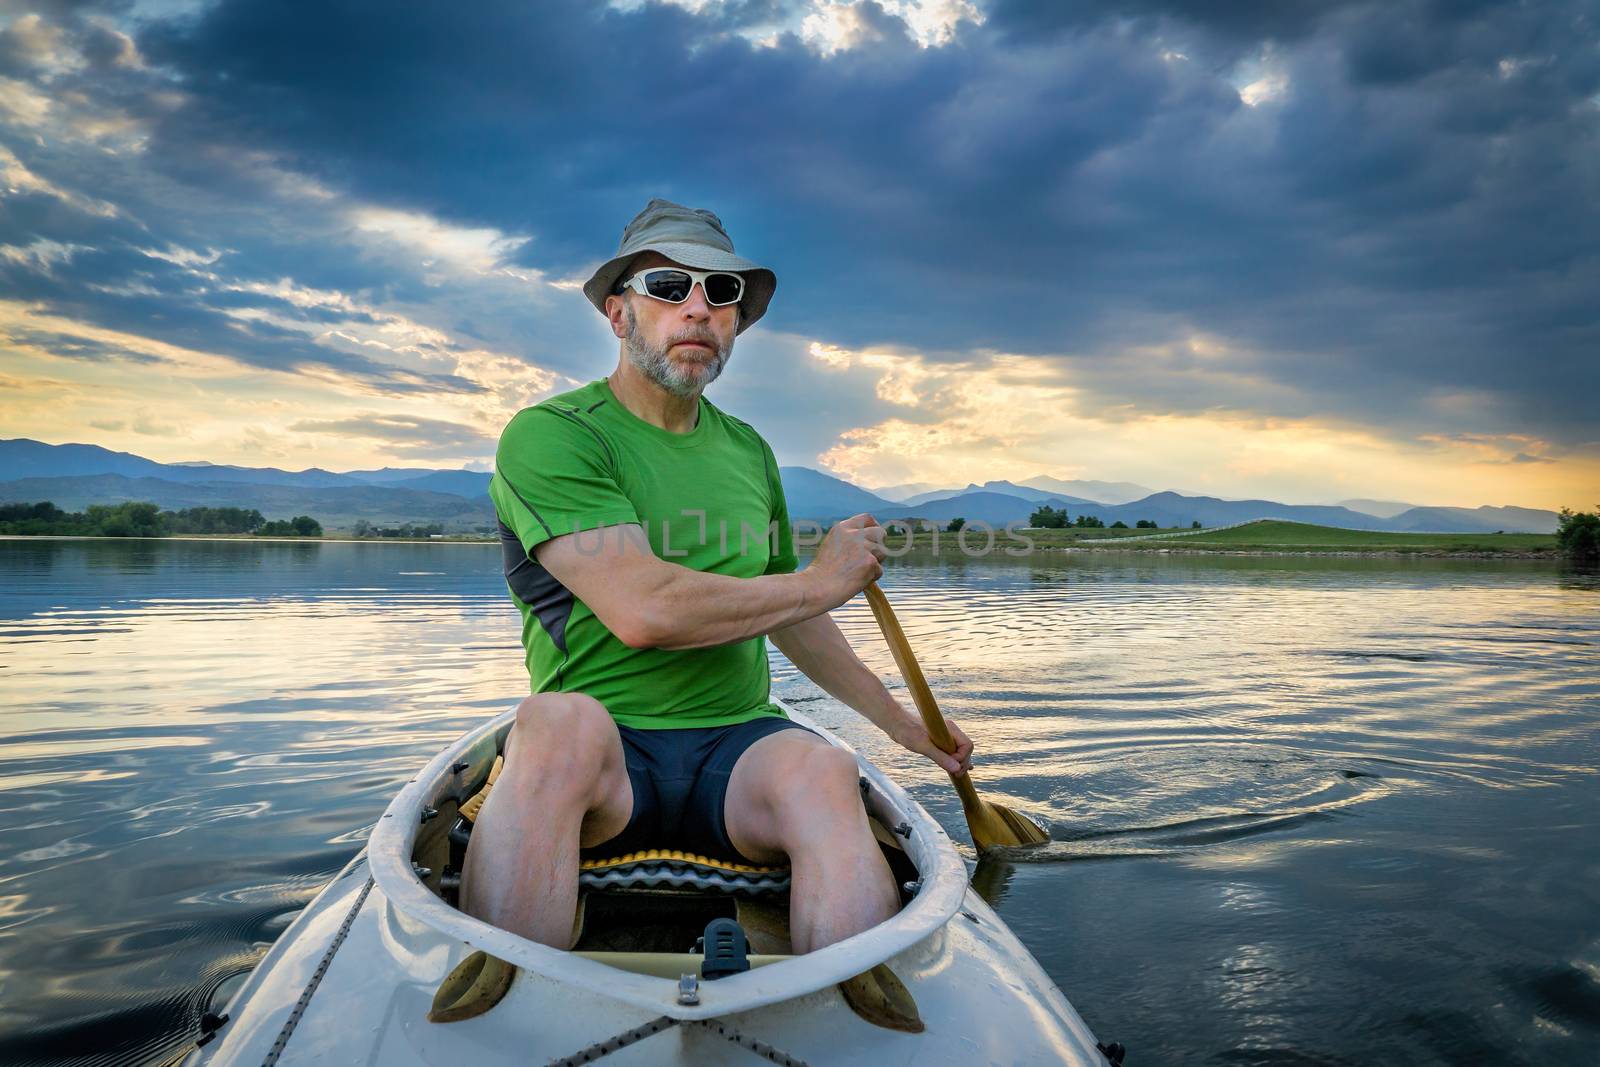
x=564, y=785
x=793, y=794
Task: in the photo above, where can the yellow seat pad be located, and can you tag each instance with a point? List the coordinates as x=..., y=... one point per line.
x=673, y=856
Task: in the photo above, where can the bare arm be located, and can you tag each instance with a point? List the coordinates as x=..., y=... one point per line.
x=823, y=654
x=651, y=603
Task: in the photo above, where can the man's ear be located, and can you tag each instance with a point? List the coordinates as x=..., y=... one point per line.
x=617, y=314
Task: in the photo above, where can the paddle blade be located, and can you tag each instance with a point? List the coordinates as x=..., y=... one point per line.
x=1000, y=827
x=995, y=825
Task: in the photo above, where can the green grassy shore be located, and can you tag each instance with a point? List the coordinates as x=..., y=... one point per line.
x=1265, y=537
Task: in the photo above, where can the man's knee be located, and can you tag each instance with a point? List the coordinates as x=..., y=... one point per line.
x=570, y=716
x=568, y=735
x=817, y=776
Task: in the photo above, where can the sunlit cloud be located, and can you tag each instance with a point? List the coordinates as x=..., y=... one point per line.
x=899, y=374
x=480, y=250
x=184, y=257
x=23, y=105
x=42, y=255
x=1262, y=78
x=832, y=26
x=1012, y=417
x=32, y=42
x=1265, y=89
x=17, y=180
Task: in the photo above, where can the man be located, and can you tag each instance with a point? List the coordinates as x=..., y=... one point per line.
x=649, y=550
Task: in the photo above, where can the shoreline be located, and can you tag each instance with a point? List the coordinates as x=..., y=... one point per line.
x=1135, y=548
x=253, y=539
x=1376, y=553
x=1484, y=557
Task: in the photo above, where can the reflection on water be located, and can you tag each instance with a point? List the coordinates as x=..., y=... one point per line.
x=1301, y=811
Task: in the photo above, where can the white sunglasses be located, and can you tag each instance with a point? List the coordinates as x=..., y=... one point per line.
x=674, y=284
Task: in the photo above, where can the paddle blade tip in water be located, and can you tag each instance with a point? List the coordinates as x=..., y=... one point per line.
x=1004, y=828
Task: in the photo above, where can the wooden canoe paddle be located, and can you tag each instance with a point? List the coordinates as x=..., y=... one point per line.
x=992, y=825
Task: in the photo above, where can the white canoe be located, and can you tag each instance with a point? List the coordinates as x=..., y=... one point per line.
x=352, y=980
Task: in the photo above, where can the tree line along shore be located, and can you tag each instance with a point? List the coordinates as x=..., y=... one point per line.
x=144, y=519
x=141, y=519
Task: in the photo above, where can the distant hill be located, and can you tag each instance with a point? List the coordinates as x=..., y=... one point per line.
x=23, y=458
x=310, y=478
x=333, y=506
x=1383, y=509
x=996, y=509
x=914, y=499
x=821, y=497
x=1105, y=492
x=1175, y=509
x=1476, y=520
x=1039, y=488
x=1011, y=489
x=469, y=484
x=900, y=492
x=390, y=475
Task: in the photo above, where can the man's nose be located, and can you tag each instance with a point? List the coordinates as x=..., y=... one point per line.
x=697, y=307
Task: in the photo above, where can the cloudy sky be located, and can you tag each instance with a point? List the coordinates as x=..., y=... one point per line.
x=1273, y=248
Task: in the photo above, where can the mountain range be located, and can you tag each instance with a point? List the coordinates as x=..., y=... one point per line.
x=1042, y=487
x=74, y=476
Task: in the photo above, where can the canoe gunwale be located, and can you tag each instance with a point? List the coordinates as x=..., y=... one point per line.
x=943, y=875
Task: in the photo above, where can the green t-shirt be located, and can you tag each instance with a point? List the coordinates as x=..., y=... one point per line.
x=709, y=499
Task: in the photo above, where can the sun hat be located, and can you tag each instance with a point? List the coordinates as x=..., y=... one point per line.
x=693, y=237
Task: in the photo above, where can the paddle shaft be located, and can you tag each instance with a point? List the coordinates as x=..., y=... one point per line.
x=921, y=695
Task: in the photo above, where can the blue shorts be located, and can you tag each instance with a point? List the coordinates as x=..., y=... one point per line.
x=680, y=784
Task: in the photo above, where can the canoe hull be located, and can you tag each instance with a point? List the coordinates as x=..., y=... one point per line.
x=353, y=978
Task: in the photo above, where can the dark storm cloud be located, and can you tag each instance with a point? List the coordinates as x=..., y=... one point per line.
x=1406, y=221
x=1244, y=21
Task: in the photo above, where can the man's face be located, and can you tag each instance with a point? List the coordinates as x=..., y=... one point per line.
x=680, y=347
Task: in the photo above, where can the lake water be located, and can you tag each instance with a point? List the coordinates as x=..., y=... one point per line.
x=1303, y=811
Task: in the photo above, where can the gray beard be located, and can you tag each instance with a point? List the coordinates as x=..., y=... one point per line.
x=652, y=361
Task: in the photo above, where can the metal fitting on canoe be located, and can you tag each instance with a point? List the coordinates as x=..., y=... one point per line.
x=688, y=989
